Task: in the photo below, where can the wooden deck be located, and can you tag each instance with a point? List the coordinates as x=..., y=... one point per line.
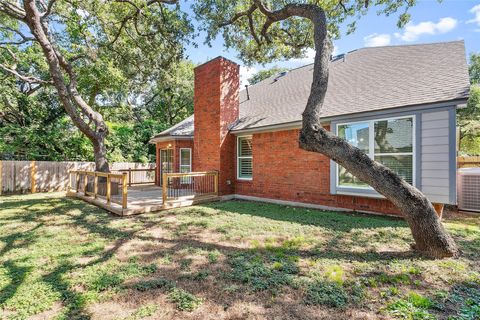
x=142, y=199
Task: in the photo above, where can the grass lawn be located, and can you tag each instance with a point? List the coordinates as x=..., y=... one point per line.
x=64, y=259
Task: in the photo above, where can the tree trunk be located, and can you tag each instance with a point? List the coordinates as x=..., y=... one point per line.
x=430, y=236
x=100, y=151
x=78, y=110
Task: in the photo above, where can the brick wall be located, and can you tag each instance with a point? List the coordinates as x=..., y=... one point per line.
x=216, y=106
x=283, y=171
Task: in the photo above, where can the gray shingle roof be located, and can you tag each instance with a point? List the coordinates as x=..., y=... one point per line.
x=367, y=79
x=182, y=129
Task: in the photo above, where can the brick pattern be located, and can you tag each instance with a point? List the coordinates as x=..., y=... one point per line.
x=216, y=107
x=283, y=171
x=176, y=145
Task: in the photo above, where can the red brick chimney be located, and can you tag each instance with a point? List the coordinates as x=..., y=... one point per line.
x=215, y=108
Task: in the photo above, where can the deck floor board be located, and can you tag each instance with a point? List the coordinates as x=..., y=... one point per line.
x=142, y=199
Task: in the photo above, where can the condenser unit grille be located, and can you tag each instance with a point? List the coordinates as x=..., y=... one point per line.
x=469, y=192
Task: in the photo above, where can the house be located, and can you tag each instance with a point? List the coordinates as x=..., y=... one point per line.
x=397, y=103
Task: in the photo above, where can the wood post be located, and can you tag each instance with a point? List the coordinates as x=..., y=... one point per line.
x=33, y=170
x=164, y=188
x=77, y=182
x=439, y=209
x=124, y=190
x=216, y=183
x=69, y=187
x=95, y=185
x=85, y=183
x=109, y=189
x=129, y=177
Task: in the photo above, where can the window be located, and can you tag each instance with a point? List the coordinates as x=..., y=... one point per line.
x=185, y=164
x=388, y=141
x=244, y=158
x=185, y=160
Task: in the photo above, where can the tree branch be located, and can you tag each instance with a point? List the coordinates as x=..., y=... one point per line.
x=12, y=10
x=238, y=15
x=28, y=79
x=23, y=36
x=48, y=9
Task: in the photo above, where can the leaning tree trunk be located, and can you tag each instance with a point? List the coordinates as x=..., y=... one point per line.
x=430, y=236
x=87, y=120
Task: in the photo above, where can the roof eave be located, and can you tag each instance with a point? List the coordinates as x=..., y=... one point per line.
x=458, y=103
x=169, y=138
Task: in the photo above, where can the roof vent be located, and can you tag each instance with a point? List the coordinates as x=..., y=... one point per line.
x=342, y=56
x=281, y=74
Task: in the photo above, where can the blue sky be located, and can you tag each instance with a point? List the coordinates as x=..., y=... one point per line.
x=431, y=22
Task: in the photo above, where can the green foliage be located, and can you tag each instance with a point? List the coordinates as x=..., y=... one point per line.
x=326, y=293
x=158, y=283
x=270, y=272
x=469, y=299
x=469, y=118
x=184, y=300
x=334, y=273
x=264, y=74
x=474, y=68
x=143, y=312
x=288, y=38
x=128, y=61
x=414, y=306
x=213, y=256
x=334, y=294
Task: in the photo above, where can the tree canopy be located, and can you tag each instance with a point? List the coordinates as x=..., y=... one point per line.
x=469, y=117
x=264, y=74
x=113, y=55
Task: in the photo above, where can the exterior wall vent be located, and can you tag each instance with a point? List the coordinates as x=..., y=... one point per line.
x=469, y=189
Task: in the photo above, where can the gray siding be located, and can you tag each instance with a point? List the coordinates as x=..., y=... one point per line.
x=436, y=156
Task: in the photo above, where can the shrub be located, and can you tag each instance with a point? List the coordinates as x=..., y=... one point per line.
x=213, y=256
x=184, y=300
x=413, y=306
x=154, y=284
x=326, y=293
x=262, y=273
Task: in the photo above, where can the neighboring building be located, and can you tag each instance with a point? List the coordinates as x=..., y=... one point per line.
x=396, y=103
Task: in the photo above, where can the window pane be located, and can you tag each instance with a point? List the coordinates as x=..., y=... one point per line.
x=244, y=147
x=245, y=167
x=402, y=165
x=346, y=179
x=394, y=136
x=356, y=134
x=185, y=157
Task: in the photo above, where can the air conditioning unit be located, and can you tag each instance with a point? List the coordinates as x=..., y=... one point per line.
x=469, y=189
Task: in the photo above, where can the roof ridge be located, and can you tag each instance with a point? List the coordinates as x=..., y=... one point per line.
x=409, y=45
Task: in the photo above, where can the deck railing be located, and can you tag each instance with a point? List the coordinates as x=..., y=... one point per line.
x=189, y=185
x=111, y=186
x=140, y=176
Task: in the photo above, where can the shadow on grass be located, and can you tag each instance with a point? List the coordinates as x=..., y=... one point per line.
x=85, y=217
x=333, y=220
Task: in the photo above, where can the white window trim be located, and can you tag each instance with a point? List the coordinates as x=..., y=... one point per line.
x=371, y=153
x=180, y=159
x=243, y=157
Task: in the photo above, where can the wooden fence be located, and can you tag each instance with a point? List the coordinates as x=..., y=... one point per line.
x=468, y=162
x=47, y=176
